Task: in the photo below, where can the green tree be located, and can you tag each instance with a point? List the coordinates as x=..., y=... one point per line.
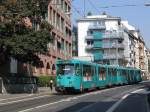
x=19, y=39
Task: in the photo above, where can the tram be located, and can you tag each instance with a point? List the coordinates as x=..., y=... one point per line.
x=76, y=75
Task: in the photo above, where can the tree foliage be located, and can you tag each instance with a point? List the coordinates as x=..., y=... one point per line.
x=18, y=37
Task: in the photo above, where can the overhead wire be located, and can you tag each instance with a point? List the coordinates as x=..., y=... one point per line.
x=77, y=11
x=125, y=5
x=93, y=5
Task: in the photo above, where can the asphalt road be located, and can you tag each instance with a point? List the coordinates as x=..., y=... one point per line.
x=95, y=101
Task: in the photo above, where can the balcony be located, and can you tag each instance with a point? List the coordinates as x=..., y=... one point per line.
x=103, y=36
x=89, y=37
x=116, y=46
x=88, y=47
x=113, y=56
x=113, y=35
x=97, y=26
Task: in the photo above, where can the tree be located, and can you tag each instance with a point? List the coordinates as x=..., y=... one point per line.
x=18, y=37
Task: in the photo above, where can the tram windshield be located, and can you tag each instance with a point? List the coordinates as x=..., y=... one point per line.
x=66, y=69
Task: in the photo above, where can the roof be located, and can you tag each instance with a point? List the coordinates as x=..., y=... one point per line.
x=99, y=17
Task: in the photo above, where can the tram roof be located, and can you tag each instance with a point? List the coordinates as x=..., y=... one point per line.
x=92, y=63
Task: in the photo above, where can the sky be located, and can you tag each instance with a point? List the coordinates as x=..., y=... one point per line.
x=134, y=11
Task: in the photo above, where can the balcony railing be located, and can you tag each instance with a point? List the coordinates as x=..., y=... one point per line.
x=113, y=56
x=113, y=35
x=98, y=26
x=89, y=46
x=89, y=37
x=119, y=46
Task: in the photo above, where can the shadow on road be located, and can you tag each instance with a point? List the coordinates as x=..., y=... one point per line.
x=89, y=107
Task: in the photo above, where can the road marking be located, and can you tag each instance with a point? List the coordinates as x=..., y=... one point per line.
x=16, y=97
x=68, y=99
x=23, y=100
x=97, y=102
x=137, y=91
x=41, y=106
x=111, y=109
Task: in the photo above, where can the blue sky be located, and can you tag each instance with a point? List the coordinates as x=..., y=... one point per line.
x=138, y=16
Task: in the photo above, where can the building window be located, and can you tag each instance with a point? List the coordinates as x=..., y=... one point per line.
x=62, y=44
x=62, y=4
x=66, y=7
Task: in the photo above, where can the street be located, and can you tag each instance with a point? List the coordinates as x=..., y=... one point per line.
x=104, y=100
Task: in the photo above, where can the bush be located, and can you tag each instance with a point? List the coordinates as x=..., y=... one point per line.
x=43, y=81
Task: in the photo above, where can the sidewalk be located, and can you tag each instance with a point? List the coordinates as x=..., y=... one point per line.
x=41, y=91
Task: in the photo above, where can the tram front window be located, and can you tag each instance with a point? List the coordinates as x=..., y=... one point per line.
x=66, y=69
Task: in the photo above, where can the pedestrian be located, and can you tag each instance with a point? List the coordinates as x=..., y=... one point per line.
x=51, y=84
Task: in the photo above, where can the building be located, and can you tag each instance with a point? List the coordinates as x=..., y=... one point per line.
x=132, y=47
x=102, y=38
x=61, y=46
x=58, y=15
x=110, y=40
x=74, y=41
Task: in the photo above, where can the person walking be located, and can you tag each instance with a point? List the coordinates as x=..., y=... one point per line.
x=51, y=84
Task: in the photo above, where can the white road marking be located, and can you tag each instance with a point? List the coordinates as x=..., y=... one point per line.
x=68, y=99
x=111, y=109
x=137, y=91
x=23, y=100
x=41, y=106
x=16, y=97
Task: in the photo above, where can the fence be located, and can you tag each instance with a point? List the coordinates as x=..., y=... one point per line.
x=16, y=84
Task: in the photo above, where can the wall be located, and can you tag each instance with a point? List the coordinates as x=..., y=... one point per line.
x=82, y=33
x=111, y=24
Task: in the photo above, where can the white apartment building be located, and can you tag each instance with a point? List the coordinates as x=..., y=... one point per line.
x=109, y=40
x=103, y=38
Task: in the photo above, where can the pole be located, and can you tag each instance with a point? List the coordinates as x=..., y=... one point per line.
x=117, y=51
x=84, y=8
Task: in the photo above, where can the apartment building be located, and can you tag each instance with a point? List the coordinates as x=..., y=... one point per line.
x=61, y=47
x=102, y=38
x=132, y=49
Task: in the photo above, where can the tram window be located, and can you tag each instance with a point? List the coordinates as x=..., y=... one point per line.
x=77, y=69
x=114, y=72
x=102, y=72
x=109, y=71
x=87, y=70
x=66, y=69
x=124, y=73
x=119, y=72
x=93, y=70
